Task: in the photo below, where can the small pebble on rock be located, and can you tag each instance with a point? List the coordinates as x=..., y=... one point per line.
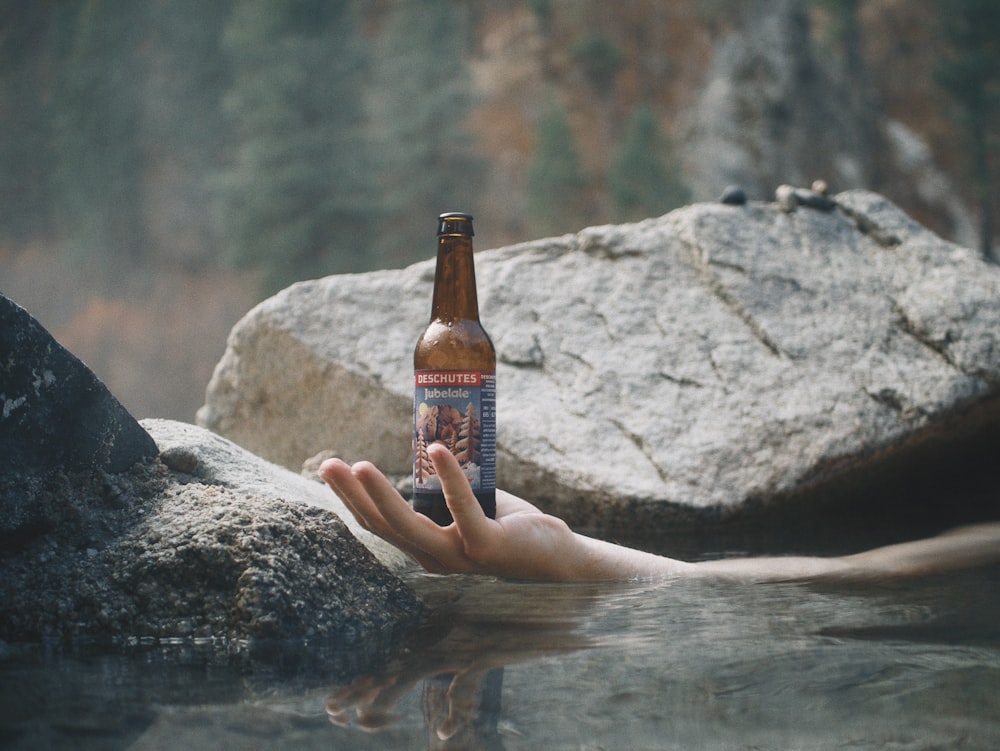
x=814, y=199
x=786, y=197
x=733, y=195
x=789, y=198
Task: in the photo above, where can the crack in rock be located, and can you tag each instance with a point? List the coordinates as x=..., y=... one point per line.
x=680, y=381
x=640, y=444
x=715, y=286
x=867, y=226
x=908, y=327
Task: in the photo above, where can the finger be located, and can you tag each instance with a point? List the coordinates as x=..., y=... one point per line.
x=338, y=704
x=413, y=532
x=381, y=708
x=337, y=717
x=377, y=710
x=334, y=472
x=346, y=483
x=341, y=479
x=476, y=530
x=463, y=695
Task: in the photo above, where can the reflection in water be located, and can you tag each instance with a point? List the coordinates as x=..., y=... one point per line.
x=461, y=711
x=698, y=665
x=683, y=665
x=478, y=627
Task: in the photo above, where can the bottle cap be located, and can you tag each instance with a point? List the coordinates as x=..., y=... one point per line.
x=449, y=221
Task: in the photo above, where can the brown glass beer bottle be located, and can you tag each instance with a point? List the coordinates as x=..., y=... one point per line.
x=454, y=366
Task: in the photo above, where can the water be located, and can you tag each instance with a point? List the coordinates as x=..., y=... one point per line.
x=687, y=665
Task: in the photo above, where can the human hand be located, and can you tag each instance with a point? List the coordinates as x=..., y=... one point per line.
x=522, y=542
x=460, y=656
x=456, y=704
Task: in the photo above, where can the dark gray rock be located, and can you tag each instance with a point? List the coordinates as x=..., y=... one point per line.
x=789, y=198
x=104, y=542
x=240, y=552
x=733, y=195
x=54, y=413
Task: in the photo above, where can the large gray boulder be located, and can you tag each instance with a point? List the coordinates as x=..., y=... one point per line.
x=704, y=364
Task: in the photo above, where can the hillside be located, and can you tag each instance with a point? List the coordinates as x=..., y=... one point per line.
x=757, y=93
x=161, y=160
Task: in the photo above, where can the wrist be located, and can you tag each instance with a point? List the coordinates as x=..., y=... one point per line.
x=600, y=560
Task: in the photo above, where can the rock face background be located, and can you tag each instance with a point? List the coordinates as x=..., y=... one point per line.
x=703, y=364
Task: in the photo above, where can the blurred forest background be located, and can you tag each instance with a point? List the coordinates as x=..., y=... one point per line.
x=166, y=164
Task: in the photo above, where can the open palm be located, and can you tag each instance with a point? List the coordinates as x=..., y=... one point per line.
x=519, y=543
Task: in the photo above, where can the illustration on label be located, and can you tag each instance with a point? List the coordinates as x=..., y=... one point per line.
x=458, y=409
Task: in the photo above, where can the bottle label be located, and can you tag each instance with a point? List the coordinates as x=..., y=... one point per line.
x=456, y=408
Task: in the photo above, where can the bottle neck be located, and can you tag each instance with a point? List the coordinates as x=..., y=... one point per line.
x=455, y=280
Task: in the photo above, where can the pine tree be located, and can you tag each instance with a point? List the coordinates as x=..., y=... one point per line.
x=423, y=467
x=97, y=182
x=421, y=101
x=643, y=180
x=970, y=74
x=466, y=448
x=556, y=185
x=185, y=135
x=297, y=198
x=600, y=59
x=25, y=150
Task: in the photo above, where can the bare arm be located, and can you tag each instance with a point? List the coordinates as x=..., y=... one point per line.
x=965, y=547
x=524, y=543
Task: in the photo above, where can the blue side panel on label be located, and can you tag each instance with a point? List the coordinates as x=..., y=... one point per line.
x=488, y=448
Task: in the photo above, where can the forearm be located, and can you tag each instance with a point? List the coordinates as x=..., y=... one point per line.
x=966, y=547
x=599, y=560
x=570, y=556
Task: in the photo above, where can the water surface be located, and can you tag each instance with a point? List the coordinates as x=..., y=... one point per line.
x=682, y=665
